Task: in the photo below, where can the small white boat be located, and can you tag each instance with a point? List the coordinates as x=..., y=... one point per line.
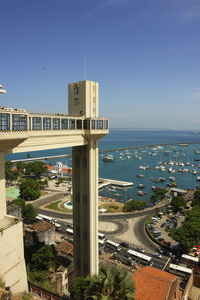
x=108, y=158
x=172, y=178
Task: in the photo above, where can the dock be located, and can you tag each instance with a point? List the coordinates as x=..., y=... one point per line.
x=119, y=183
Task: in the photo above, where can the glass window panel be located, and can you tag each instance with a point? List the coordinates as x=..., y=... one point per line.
x=71, y=124
x=93, y=124
x=56, y=123
x=64, y=123
x=4, y=122
x=105, y=124
x=19, y=122
x=99, y=124
x=46, y=123
x=36, y=123
x=78, y=124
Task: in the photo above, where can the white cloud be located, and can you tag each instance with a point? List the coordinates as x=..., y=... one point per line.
x=105, y=3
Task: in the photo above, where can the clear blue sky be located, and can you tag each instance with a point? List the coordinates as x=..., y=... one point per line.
x=145, y=54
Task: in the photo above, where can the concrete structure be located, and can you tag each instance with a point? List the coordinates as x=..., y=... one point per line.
x=42, y=231
x=22, y=131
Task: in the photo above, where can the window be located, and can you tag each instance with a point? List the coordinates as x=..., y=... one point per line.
x=105, y=124
x=36, y=123
x=46, y=123
x=78, y=124
x=19, y=122
x=99, y=124
x=71, y=124
x=56, y=123
x=86, y=124
x=4, y=122
x=93, y=124
x=64, y=123
x=76, y=90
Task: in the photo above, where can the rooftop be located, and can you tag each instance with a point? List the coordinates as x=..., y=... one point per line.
x=152, y=284
x=41, y=226
x=65, y=248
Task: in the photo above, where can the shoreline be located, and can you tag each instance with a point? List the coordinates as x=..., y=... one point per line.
x=181, y=144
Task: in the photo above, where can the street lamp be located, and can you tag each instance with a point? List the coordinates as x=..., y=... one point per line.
x=1, y=90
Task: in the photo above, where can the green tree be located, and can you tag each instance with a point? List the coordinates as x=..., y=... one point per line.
x=111, y=283
x=37, y=168
x=29, y=213
x=134, y=205
x=177, y=202
x=10, y=175
x=20, y=202
x=44, y=258
x=158, y=195
x=29, y=189
x=20, y=168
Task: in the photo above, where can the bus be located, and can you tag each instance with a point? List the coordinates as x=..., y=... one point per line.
x=47, y=218
x=101, y=243
x=101, y=236
x=180, y=271
x=112, y=245
x=58, y=227
x=70, y=232
x=190, y=260
x=144, y=259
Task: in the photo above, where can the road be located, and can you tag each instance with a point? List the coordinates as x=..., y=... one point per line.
x=119, y=220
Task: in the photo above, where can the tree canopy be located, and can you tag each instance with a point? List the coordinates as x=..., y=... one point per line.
x=188, y=235
x=29, y=189
x=28, y=211
x=43, y=258
x=37, y=168
x=134, y=205
x=111, y=283
x=158, y=195
x=178, y=202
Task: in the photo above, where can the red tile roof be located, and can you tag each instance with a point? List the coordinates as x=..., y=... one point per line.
x=41, y=226
x=65, y=248
x=152, y=284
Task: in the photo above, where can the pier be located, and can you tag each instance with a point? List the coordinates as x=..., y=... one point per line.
x=106, y=182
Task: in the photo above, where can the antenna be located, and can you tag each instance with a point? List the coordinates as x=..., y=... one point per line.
x=84, y=67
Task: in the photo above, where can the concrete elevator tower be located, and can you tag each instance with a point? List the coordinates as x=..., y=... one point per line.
x=83, y=101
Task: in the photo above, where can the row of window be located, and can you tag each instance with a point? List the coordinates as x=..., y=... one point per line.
x=19, y=122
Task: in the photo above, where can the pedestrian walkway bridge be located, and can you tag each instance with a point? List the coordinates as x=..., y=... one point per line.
x=22, y=130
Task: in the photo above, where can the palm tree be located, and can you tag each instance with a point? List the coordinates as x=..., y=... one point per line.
x=111, y=283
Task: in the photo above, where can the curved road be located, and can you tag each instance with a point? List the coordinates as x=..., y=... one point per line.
x=119, y=220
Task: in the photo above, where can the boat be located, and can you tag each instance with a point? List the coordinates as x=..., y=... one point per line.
x=140, y=175
x=108, y=158
x=117, y=195
x=141, y=186
x=197, y=151
x=161, y=179
x=141, y=193
x=172, y=178
x=194, y=172
x=198, y=178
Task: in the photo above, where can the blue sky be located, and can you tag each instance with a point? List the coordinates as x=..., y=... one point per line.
x=145, y=54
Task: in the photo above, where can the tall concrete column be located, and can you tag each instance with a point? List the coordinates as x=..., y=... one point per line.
x=85, y=208
x=2, y=187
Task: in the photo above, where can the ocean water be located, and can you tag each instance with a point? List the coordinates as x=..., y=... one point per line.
x=128, y=168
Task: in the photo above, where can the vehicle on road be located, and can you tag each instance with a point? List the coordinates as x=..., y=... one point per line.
x=113, y=246
x=144, y=259
x=156, y=254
